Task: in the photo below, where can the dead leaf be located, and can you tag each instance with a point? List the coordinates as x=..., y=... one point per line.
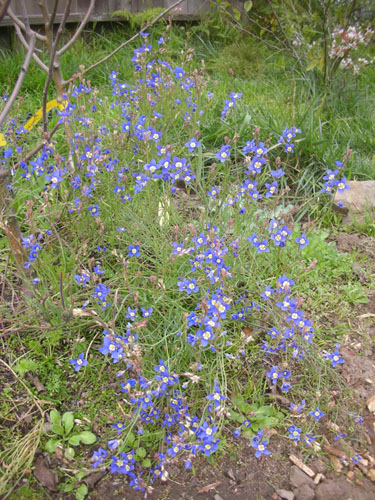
x=46, y=476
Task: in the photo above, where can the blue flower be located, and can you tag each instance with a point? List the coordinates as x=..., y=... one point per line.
x=94, y=210
x=79, y=362
x=302, y=241
x=341, y=185
x=98, y=456
x=216, y=397
x=260, y=446
x=133, y=251
x=192, y=144
x=317, y=414
x=335, y=358
x=224, y=153
x=294, y=433
x=178, y=72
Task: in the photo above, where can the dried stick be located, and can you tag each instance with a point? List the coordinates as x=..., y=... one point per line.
x=78, y=31
x=20, y=79
x=122, y=45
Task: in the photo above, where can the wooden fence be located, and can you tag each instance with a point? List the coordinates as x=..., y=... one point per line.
x=188, y=9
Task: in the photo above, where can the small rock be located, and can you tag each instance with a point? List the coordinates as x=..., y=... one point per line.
x=285, y=494
x=359, y=196
x=304, y=492
x=337, y=489
x=298, y=478
x=217, y=497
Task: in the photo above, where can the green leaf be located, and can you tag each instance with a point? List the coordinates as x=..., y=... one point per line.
x=81, y=492
x=74, y=440
x=57, y=429
x=312, y=65
x=130, y=438
x=248, y=5
x=68, y=421
x=237, y=14
x=140, y=452
x=146, y=463
x=55, y=417
x=51, y=445
x=69, y=453
x=87, y=437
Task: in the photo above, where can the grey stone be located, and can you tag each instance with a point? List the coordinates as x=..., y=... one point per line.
x=298, y=478
x=285, y=494
x=304, y=492
x=341, y=489
x=359, y=196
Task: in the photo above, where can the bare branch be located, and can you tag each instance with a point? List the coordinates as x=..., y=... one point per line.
x=20, y=24
x=20, y=79
x=53, y=14
x=4, y=8
x=26, y=45
x=78, y=31
x=148, y=25
x=53, y=62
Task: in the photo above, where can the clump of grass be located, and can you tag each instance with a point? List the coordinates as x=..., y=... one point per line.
x=172, y=260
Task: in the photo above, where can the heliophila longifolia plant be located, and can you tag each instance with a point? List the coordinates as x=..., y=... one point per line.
x=180, y=255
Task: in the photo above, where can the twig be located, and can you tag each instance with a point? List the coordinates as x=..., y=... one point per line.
x=21, y=25
x=26, y=45
x=148, y=25
x=78, y=31
x=20, y=79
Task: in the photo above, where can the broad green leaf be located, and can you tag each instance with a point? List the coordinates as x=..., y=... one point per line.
x=74, y=440
x=51, y=445
x=130, y=439
x=57, y=429
x=68, y=421
x=69, y=453
x=248, y=5
x=87, y=437
x=140, y=452
x=146, y=463
x=55, y=417
x=81, y=492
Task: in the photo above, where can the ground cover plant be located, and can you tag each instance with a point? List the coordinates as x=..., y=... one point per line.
x=171, y=266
